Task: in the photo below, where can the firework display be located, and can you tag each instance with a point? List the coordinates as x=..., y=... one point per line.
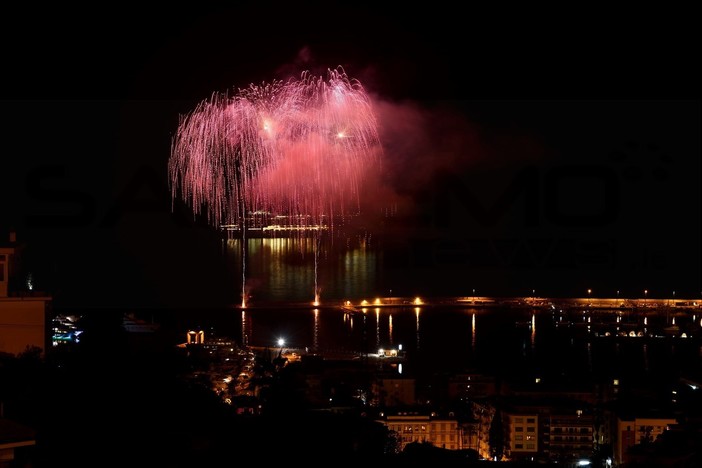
x=295, y=148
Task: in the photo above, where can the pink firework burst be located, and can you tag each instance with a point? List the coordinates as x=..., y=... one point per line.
x=298, y=148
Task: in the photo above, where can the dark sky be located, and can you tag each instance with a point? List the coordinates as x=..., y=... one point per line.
x=559, y=150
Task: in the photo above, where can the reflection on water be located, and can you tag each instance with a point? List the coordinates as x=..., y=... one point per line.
x=315, y=341
x=295, y=269
x=502, y=341
x=390, y=329
x=473, y=335
x=495, y=341
x=244, y=330
x=416, y=312
x=377, y=327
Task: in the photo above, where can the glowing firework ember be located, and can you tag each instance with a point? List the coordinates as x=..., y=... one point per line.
x=296, y=149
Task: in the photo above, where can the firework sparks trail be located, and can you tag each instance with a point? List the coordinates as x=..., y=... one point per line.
x=297, y=148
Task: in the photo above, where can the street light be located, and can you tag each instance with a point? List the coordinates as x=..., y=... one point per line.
x=589, y=292
x=281, y=343
x=645, y=296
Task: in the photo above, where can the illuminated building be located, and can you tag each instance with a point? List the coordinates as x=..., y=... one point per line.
x=440, y=431
x=548, y=429
x=632, y=430
x=522, y=435
x=23, y=312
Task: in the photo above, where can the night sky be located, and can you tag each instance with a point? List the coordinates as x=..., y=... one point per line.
x=559, y=153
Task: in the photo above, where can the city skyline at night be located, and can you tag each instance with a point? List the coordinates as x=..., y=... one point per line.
x=338, y=233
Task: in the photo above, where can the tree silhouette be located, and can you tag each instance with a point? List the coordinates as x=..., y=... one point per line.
x=646, y=435
x=496, y=436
